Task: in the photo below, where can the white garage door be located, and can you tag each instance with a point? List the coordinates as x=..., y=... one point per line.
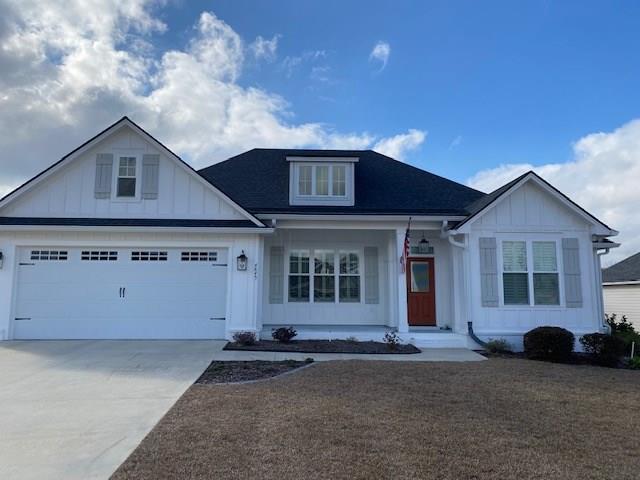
x=86, y=293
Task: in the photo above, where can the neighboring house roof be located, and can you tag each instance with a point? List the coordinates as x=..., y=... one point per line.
x=126, y=222
x=628, y=270
x=259, y=181
x=482, y=204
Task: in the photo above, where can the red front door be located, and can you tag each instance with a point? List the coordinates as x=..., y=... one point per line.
x=421, y=292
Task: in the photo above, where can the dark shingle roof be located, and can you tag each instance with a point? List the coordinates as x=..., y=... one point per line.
x=259, y=181
x=628, y=270
x=126, y=222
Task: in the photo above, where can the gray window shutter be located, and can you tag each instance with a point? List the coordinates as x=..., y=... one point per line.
x=276, y=275
x=104, y=175
x=571, y=266
x=371, y=290
x=150, y=173
x=489, y=272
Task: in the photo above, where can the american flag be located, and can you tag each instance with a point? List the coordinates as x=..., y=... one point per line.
x=406, y=248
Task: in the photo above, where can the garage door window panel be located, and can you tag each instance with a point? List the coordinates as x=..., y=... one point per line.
x=149, y=256
x=49, y=255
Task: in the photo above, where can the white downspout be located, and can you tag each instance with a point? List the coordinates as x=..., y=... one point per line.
x=599, y=288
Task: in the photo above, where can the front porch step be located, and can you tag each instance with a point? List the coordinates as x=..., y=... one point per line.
x=439, y=340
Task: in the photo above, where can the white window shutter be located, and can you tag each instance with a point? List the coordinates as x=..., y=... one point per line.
x=488, y=272
x=150, y=176
x=371, y=288
x=104, y=175
x=276, y=274
x=572, y=276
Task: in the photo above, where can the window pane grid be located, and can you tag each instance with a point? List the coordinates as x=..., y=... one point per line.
x=339, y=184
x=322, y=180
x=299, y=276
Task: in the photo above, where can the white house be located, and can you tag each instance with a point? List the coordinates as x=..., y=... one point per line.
x=122, y=239
x=621, y=284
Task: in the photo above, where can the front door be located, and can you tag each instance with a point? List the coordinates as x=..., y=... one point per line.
x=421, y=292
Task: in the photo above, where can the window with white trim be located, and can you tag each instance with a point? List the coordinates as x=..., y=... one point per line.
x=321, y=183
x=299, y=276
x=199, y=256
x=127, y=177
x=349, y=279
x=515, y=277
x=546, y=284
x=530, y=273
x=324, y=279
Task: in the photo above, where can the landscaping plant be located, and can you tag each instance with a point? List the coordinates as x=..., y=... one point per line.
x=244, y=338
x=283, y=334
x=549, y=343
x=634, y=363
x=607, y=350
x=623, y=330
x=392, y=340
x=498, y=345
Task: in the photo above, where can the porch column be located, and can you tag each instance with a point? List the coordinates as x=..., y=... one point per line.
x=403, y=321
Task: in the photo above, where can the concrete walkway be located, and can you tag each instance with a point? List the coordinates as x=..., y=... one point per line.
x=77, y=409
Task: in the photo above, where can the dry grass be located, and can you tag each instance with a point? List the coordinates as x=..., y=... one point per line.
x=499, y=419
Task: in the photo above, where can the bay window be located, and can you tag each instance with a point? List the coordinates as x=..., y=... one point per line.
x=530, y=271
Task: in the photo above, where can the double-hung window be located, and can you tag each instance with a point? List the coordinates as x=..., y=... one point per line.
x=321, y=180
x=324, y=280
x=299, y=276
x=515, y=277
x=546, y=289
x=349, y=277
x=126, y=182
x=530, y=272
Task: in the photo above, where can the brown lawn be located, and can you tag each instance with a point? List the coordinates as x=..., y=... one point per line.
x=499, y=419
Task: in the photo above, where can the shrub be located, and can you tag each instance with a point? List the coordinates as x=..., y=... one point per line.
x=244, y=338
x=606, y=349
x=498, y=345
x=392, y=340
x=634, y=363
x=351, y=339
x=283, y=334
x=549, y=343
x=619, y=327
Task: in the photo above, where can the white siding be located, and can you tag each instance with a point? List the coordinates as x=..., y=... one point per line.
x=70, y=191
x=623, y=300
x=244, y=288
x=529, y=213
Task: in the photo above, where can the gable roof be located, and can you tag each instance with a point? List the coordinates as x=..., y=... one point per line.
x=259, y=181
x=124, y=121
x=627, y=270
x=483, y=204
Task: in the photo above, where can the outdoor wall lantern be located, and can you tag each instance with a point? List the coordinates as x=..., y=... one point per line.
x=423, y=245
x=242, y=262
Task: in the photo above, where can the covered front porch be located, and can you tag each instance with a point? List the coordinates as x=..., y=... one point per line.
x=342, y=282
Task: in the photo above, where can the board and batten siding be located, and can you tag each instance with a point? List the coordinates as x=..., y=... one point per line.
x=71, y=192
x=623, y=300
x=529, y=213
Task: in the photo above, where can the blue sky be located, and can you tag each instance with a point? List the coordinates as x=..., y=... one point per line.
x=512, y=81
x=478, y=92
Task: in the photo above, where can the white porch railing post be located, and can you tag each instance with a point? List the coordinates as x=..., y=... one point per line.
x=403, y=322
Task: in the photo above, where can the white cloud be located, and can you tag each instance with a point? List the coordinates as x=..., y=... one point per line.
x=399, y=145
x=68, y=70
x=602, y=177
x=265, y=49
x=380, y=53
x=291, y=63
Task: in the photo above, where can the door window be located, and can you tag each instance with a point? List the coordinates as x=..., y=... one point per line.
x=419, y=277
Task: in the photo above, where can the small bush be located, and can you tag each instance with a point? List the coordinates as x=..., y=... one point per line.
x=283, y=334
x=498, y=345
x=549, y=343
x=621, y=326
x=634, y=363
x=606, y=349
x=244, y=338
x=392, y=340
x=351, y=339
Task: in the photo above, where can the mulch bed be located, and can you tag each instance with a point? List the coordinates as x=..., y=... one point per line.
x=323, y=346
x=233, y=372
x=577, y=358
x=506, y=419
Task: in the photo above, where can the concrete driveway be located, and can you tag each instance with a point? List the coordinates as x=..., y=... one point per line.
x=76, y=409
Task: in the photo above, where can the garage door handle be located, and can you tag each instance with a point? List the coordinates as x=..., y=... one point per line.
x=120, y=292
x=124, y=292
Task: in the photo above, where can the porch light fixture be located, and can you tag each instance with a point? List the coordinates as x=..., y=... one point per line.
x=242, y=262
x=423, y=245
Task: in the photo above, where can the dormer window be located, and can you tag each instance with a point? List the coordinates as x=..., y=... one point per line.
x=321, y=181
x=127, y=175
